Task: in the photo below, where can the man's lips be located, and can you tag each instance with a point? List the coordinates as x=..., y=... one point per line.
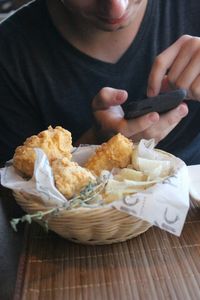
x=113, y=20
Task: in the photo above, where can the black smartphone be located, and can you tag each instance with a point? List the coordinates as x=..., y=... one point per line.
x=161, y=104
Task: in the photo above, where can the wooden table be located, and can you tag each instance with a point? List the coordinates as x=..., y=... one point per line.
x=10, y=244
x=155, y=265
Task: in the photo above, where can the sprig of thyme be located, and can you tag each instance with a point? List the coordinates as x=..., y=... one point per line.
x=37, y=216
x=89, y=197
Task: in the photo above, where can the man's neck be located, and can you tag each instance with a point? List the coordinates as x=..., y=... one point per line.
x=102, y=45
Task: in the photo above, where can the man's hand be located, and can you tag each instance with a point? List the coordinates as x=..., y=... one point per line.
x=110, y=120
x=180, y=64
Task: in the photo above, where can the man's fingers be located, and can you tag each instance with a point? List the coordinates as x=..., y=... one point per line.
x=188, y=74
x=168, y=121
x=194, y=92
x=188, y=56
x=138, y=125
x=166, y=124
x=107, y=97
x=171, y=119
x=161, y=65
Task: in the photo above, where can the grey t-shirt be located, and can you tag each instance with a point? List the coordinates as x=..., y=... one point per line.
x=45, y=81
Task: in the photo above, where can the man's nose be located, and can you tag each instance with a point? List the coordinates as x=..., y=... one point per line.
x=117, y=8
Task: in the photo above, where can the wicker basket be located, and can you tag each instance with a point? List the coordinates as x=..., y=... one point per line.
x=94, y=226
x=194, y=171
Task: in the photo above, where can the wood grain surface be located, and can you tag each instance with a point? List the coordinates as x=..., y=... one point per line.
x=154, y=265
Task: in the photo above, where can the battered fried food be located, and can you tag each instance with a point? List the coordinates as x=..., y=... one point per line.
x=116, y=153
x=56, y=143
x=70, y=178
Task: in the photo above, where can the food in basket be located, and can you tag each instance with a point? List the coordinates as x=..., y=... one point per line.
x=74, y=199
x=127, y=172
x=130, y=174
x=70, y=178
x=55, y=142
x=155, y=167
x=116, y=153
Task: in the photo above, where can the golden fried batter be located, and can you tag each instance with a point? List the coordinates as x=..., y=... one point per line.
x=56, y=143
x=69, y=177
x=116, y=153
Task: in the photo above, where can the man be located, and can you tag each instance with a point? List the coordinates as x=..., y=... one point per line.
x=75, y=63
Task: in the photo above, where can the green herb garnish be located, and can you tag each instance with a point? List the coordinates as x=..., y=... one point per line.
x=89, y=197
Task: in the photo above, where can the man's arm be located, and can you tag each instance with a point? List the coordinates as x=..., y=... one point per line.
x=109, y=116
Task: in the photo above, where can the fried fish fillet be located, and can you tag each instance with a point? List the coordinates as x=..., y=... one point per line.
x=55, y=142
x=116, y=153
x=70, y=178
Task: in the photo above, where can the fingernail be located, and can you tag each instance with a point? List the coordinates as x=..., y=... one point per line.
x=121, y=95
x=153, y=117
x=182, y=111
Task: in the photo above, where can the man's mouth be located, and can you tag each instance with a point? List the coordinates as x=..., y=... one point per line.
x=113, y=21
